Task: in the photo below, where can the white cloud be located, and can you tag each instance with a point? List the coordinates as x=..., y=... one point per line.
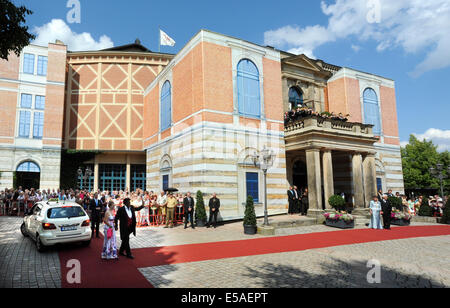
x=441, y=138
x=57, y=29
x=356, y=48
x=414, y=25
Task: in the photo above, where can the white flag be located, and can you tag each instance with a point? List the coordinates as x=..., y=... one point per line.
x=165, y=40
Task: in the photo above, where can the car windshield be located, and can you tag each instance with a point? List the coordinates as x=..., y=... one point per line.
x=65, y=212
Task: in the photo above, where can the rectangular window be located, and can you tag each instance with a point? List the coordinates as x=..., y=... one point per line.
x=112, y=177
x=379, y=184
x=26, y=101
x=42, y=65
x=165, y=180
x=252, y=185
x=38, y=125
x=40, y=102
x=24, y=124
x=138, y=177
x=28, y=63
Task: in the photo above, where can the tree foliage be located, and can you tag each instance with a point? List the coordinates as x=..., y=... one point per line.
x=425, y=209
x=14, y=36
x=337, y=202
x=249, y=215
x=200, y=212
x=417, y=159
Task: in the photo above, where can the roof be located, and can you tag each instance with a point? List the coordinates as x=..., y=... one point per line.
x=134, y=47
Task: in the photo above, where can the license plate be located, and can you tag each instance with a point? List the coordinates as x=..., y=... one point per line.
x=68, y=228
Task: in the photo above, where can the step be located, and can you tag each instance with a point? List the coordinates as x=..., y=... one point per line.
x=290, y=222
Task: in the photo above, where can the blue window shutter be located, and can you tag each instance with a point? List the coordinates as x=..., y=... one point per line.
x=249, y=100
x=252, y=185
x=371, y=110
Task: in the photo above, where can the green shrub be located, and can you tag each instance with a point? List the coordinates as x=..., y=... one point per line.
x=200, y=212
x=446, y=215
x=337, y=203
x=425, y=209
x=249, y=216
x=396, y=202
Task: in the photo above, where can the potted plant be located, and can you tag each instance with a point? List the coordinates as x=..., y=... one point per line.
x=249, y=217
x=425, y=208
x=396, y=202
x=341, y=220
x=200, y=212
x=400, y=218
x=337, y=203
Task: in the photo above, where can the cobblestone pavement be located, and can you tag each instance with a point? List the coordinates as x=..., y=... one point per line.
x=418, y=262
x=21, y=266
x=405, y=263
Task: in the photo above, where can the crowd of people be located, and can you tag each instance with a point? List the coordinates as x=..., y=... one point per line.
x=298, y=201
x=165, y=208
x=381, y=207
x=303, y=111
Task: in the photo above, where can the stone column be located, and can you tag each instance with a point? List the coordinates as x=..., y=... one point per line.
x=314, y=182
x=328, y=183
x=128, y=179
x=370, y=177
x=358, y=190
x=96, y=174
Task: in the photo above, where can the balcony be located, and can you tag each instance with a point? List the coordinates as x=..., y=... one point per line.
x=322, y=132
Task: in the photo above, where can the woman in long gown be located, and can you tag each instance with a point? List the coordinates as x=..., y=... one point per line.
x=375, y=212
x=109, y=250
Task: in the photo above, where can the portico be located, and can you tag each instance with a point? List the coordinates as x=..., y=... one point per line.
x=339, y=158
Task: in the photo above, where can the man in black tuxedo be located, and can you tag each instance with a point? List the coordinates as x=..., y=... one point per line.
x=127, y=218
x=96, y=209
x=214, y=205
x=188, y=204
x=386, y=207
x=291, y=200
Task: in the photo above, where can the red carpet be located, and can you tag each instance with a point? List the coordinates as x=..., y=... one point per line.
x=124, y=273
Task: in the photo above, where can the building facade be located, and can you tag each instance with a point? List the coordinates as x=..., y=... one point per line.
x=193, y=121
x=32, y=111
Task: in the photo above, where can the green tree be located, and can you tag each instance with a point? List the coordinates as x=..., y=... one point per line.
x=200, y=212
x=337, y=202
x=249, y=215
x=425, y=209
x=417, y=159
x=14, y=36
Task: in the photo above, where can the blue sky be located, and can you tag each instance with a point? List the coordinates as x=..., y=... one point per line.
x=405, y=41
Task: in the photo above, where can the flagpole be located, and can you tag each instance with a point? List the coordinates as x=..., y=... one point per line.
x=159, y=48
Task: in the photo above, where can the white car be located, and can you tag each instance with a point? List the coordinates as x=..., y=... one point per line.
x=56, y=222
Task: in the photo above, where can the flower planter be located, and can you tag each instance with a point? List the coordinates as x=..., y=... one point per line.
x=341, y=224
x=400, y=222
x=251, y=230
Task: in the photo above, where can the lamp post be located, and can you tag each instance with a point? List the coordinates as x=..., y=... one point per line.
x=267, y=161
x=84, y=177
x=438, y=173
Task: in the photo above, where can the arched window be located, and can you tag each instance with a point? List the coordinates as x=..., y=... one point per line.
x=166, y=106
x=295, y=97
x=371, y=110
x=28, y=166
x=248, y=89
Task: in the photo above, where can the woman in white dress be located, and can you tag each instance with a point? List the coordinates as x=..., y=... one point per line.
x=109, y=251
x=375, y=212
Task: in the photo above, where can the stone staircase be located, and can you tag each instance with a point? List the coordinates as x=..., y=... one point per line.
x=361, y=220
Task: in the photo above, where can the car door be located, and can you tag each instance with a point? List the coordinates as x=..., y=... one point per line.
x=34, y=222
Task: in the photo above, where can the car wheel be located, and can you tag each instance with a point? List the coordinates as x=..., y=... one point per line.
x=86, y=243
x=39, y=246
x=23, y=230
